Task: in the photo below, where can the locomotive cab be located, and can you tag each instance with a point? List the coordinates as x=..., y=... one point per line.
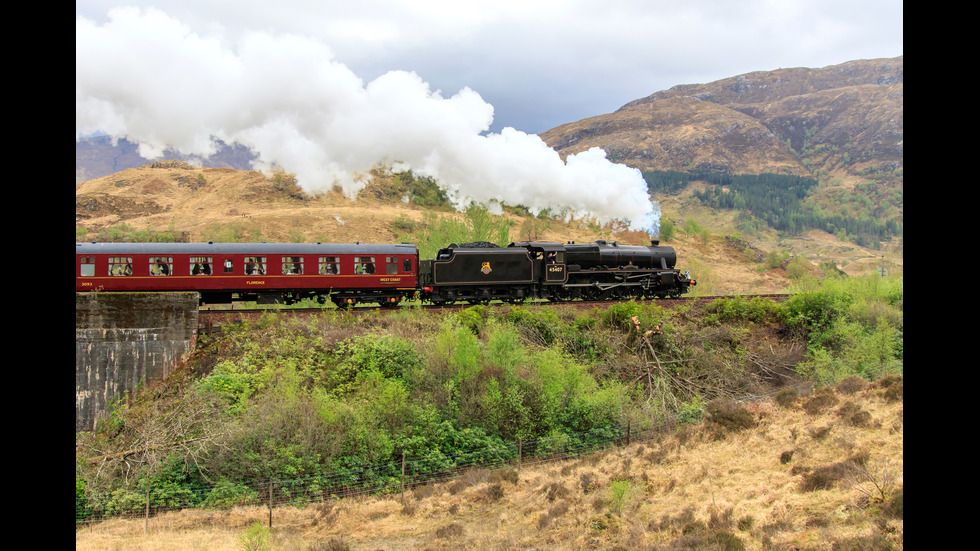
x=549, y=261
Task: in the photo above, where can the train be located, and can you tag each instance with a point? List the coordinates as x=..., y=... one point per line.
x=349, y=274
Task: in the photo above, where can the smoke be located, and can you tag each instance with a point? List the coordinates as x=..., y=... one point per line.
x=148, y=77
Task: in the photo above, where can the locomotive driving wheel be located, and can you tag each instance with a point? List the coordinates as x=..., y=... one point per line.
x=562, y=294
x=593, y=292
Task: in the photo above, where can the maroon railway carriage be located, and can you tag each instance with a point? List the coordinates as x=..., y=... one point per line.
x=263, y=272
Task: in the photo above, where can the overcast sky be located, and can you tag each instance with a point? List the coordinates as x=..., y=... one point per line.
x=481, y=65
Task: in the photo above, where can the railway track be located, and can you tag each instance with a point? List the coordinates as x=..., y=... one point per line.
x=210, y=320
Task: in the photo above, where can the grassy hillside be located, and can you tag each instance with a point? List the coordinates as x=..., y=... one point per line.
x=737, y=448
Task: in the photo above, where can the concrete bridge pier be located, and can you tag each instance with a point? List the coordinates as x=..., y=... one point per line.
x=123, y=340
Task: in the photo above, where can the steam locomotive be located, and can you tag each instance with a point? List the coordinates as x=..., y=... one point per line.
x=384, y=274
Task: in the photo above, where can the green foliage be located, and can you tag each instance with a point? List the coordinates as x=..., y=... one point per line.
x=125, y=233
x=691, y=227
x=775, y=259
x=854, y=326
x=403, y=224
x=423, y=190
x=691, y=412
x=231, y=386
x=620, y=493
x=474, y=318
x=225, y=493
x=477, y=224
x=232, y=232
x=667, y=229
x=866, y=216
x=256, y=538
x=387, y=355
x=740, y=309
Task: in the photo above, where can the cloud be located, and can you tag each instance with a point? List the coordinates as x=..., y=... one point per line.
x=148, y=76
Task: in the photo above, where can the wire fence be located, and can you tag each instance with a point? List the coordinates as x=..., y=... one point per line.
x=393, y=477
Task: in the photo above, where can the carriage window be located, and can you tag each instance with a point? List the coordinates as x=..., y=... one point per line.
x=200, y=265
x=391, y=264
x=408, y=266
x=363, y=264
x=228, y=266
x=120, y=265
x=88, y=266
x=292, y=265
x=161, y=265
x=254, y=265
x=329, y=265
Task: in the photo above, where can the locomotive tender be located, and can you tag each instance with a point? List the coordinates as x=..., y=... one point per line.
x=348, y=274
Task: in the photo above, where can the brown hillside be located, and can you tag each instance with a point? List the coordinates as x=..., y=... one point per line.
x=844, y=121
x=679, y=133
x=820, y=473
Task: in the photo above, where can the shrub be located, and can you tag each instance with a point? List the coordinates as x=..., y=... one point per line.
x=729, y=416
x=739, y=309
x=823, y=399
x=853, y=415
x=505, y=475
x=256, y=538
x=823, y=477
x=474, y=318
x=226, y=494
x=495, y=492
x=403, y=223
x=620, y=493
x=391, y=356
x=787, y=397
x=851, y=384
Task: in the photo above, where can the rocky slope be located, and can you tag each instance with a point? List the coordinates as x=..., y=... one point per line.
x=844, y=119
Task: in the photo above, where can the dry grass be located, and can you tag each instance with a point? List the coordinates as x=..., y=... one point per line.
x=700, y=488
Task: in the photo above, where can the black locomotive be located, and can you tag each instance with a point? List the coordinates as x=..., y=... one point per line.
x=481, y=272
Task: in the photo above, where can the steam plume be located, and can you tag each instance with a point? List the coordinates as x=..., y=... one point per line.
x=148, y=77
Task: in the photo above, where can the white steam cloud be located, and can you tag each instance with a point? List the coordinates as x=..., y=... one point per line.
x=148, y=77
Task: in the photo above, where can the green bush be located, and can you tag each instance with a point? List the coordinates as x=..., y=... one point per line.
x=738, y=309
x=226, y=494
x=388, y=355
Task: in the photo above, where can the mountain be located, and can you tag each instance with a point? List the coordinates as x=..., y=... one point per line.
x=844, y=121
x=98, y=156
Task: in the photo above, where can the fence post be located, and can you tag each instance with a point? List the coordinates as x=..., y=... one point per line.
x=518, y=455
x=403, y=478
x=270, y=503
x=146, y=519
x=627, y=433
